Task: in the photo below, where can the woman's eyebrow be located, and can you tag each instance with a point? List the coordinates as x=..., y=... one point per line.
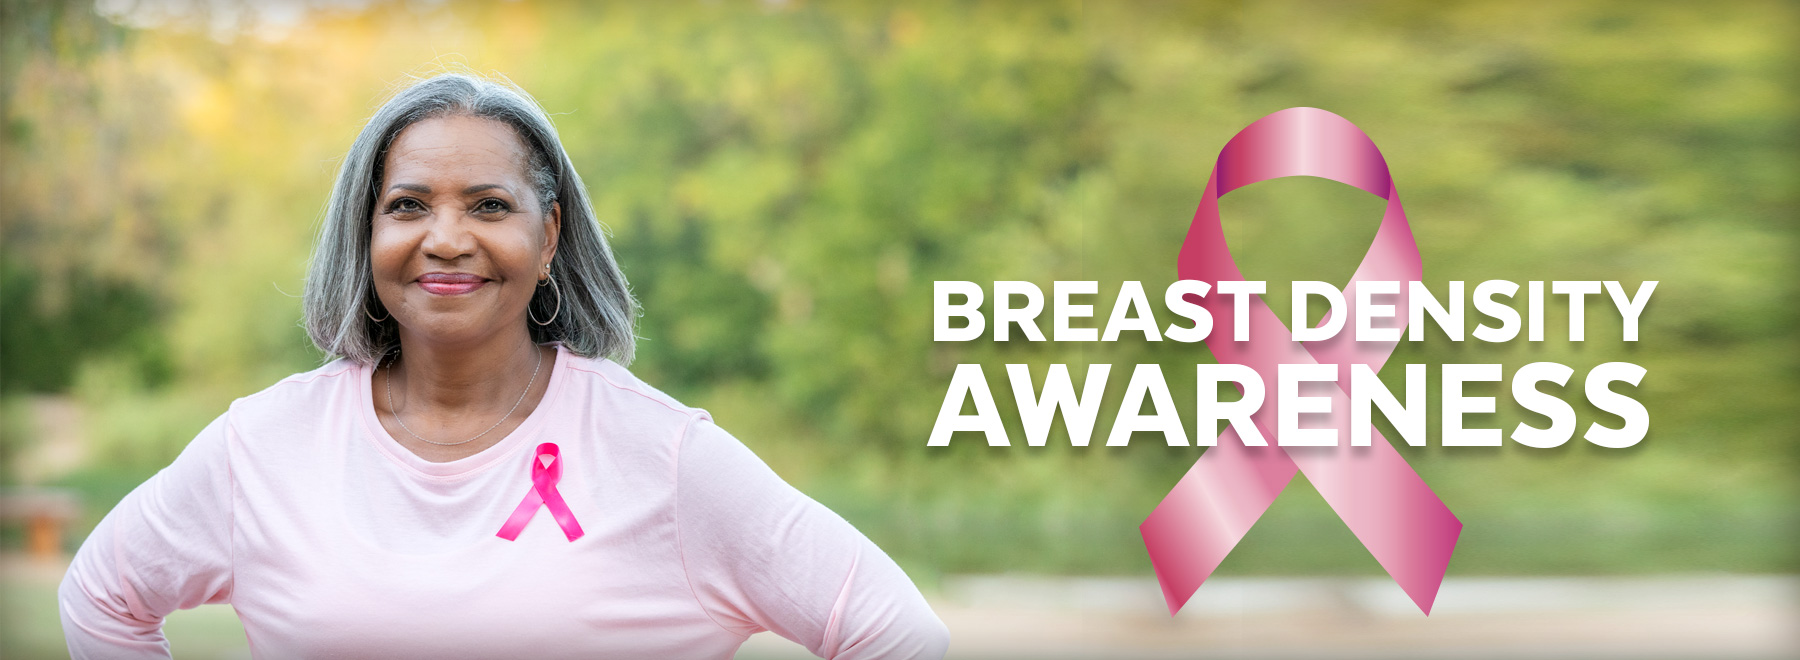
x=414, y=187
x=483, y=186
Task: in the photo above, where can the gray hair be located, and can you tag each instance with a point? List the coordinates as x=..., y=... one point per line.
x=597, y=310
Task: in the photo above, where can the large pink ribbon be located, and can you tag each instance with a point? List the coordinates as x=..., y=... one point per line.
x=546, y=471
x=1383, y=501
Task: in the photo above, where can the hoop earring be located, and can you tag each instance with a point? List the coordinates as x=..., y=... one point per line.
x=556, y=289
x=372, y=316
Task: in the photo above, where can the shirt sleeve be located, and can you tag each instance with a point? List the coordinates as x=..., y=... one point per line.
x=166, y=546
x=761, y=555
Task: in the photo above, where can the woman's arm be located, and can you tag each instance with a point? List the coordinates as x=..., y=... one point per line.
x=762, y=555
x=166, y=546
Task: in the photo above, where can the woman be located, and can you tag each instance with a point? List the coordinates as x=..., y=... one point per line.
x=478, y=476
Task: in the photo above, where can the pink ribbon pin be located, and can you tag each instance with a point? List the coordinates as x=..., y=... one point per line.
x=1383, y=501
x=546, y=471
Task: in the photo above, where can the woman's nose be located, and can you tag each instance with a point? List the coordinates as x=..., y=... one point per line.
x=447, y=237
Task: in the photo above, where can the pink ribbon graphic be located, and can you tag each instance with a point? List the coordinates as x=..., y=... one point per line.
x=1383, y=501
x=546, y=471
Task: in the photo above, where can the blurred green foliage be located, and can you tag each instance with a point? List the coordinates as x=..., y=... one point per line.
x=786, y=180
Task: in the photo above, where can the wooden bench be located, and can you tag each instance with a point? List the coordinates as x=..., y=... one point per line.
x=45, y=513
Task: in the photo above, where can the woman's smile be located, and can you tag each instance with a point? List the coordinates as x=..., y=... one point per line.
x=462, y=233
x=451, y=284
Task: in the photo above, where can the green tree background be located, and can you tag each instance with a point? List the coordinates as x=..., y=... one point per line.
x=784, y=181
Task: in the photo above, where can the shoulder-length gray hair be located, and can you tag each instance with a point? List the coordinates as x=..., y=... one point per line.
x=598, y=312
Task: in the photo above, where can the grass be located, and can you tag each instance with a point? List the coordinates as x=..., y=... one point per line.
x=30, y=628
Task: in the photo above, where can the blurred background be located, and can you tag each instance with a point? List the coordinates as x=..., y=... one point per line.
x=785, y=180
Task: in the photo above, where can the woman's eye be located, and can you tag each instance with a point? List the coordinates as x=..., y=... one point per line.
x=405, y=205
x=492, y=206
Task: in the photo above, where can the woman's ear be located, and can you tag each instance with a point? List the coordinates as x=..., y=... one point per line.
x=552, y=231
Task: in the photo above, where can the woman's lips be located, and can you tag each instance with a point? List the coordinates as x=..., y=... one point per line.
x=450, y=284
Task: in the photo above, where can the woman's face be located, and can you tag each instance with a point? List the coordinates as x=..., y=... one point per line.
x=459, y=238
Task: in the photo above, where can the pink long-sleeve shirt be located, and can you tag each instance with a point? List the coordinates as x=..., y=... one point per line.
x=330, y=539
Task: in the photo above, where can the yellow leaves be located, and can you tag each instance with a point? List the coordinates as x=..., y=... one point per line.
x=209, y=110
x=905, y=28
